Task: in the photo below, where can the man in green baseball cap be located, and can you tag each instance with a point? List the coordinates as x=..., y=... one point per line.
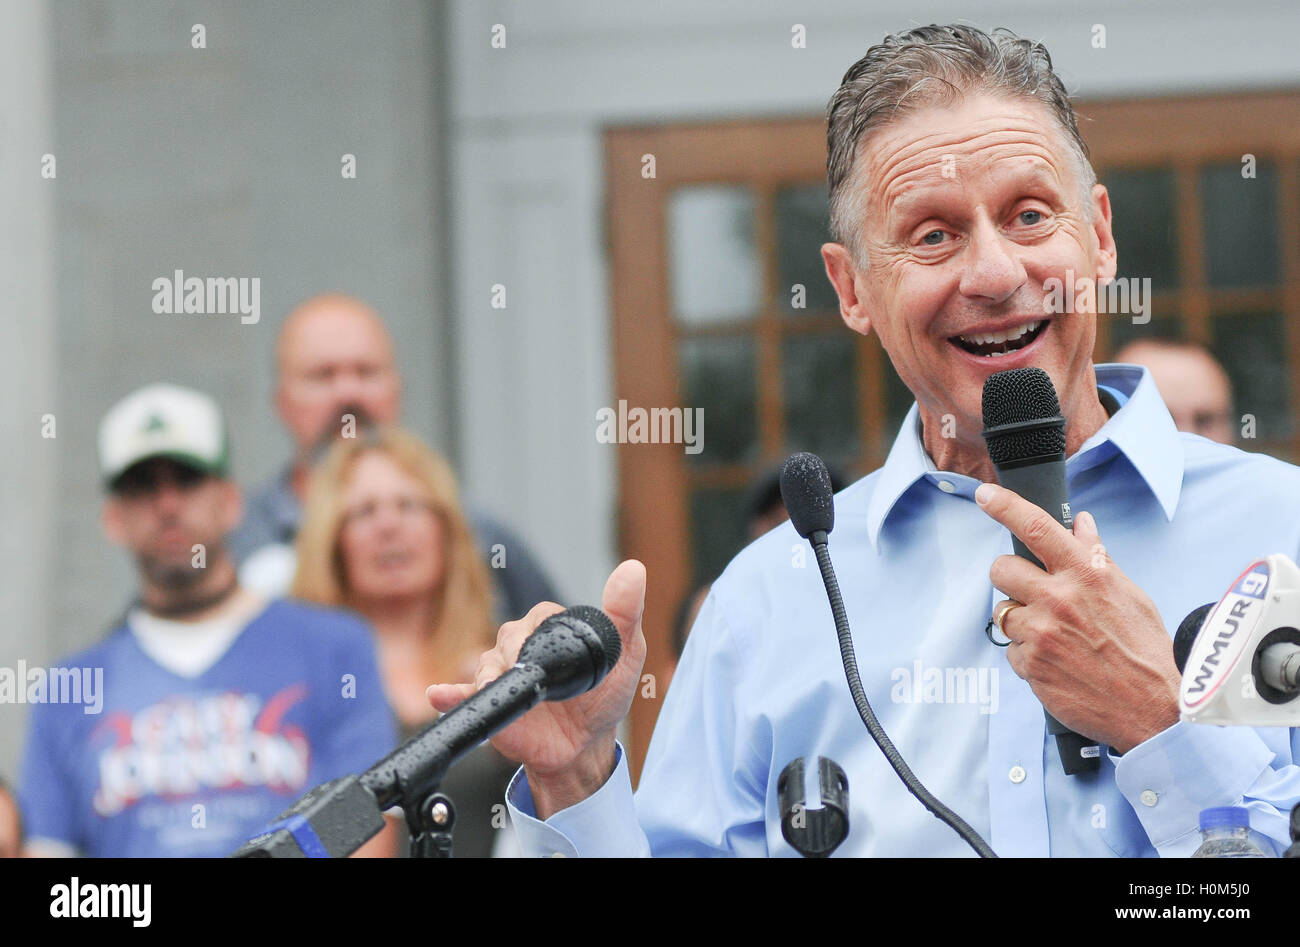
x=164, y=453
x=212, y=705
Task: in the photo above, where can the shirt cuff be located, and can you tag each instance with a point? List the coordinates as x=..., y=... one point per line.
x=1175, y=774
x=603, y=825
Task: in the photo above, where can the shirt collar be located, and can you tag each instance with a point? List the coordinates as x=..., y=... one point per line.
x=1142, y=430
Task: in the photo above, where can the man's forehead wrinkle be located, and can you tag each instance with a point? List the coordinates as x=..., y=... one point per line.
x=915, y=185
x=900, y=146
x=934, y=156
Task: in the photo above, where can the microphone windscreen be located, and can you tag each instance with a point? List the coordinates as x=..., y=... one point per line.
x=807, y=493
x=602, y=625
x=1021, y=396
x=1187, y=633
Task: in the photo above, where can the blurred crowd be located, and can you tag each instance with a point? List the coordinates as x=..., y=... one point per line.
x=286, y=637
x=280, y=639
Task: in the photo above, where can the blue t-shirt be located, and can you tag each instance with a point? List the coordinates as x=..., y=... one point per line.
x=193, y=767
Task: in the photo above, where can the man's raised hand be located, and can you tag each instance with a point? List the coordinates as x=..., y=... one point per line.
x=566, y=747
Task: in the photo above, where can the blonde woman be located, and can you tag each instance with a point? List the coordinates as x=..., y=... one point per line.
x=383, y=534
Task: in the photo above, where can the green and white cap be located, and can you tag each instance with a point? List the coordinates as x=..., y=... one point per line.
x=163, y=421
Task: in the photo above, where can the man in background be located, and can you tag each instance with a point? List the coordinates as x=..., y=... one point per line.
x=334, y=369
x=212, y=710
x=1192, y=383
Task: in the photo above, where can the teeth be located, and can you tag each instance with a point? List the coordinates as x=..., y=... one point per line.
x=992, y=338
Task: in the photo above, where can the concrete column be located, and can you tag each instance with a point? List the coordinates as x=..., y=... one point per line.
x=28, y=461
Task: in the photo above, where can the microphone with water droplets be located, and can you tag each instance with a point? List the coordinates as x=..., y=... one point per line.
x=567, y=655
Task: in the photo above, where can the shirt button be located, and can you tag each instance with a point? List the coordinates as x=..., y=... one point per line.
x=947, y=487
x=1017, y=774
x=1149, y=798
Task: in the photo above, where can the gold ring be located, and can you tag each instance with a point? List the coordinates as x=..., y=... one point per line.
x=1000, y=614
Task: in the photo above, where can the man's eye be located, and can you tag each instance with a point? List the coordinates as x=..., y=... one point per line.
x=1037, y=215
x=933, y=233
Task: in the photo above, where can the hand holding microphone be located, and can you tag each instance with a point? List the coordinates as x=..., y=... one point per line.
x=1091, y=644
x=554, y=655
x=566, y=748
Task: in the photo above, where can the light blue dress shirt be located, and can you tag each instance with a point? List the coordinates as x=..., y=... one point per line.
x=761, y=682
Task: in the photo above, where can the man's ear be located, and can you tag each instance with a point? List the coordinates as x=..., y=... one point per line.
x=110, y=520
x=843, y=274
x=1107, y=256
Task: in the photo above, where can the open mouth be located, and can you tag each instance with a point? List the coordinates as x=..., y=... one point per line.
x=392, y=558
x=994, y=344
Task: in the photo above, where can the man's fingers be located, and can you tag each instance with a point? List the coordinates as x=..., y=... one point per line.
x=1018, y=578
x=492, y=664
x=490, y=667
x=1085, y=531
x=1085, y=528
x=443, y=697
x=513, y=634
x=539, y=613
x=1016, y=658
x=1046, y=538
x=624, y=599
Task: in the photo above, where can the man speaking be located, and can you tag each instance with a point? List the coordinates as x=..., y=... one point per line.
x=961, y=192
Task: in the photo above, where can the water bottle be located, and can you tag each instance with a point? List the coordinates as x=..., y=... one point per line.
x=1225, y=833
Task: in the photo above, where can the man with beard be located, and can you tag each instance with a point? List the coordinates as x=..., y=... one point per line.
x=218, y=709
x=335, y=373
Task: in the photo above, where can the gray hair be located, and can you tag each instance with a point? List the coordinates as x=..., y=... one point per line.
x=927, y=66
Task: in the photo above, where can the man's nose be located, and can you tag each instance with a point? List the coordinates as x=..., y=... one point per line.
x=348, y=387
x=168, y=497
x=993, y=271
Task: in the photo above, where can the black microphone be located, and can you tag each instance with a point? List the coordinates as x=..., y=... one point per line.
x=567, y=655
x=810, y=501
x=1025, y=434
x=808, y=496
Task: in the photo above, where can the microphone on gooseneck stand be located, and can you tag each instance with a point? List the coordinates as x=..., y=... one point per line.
x=1025, y=433
x=567, y=655
x=810, y=501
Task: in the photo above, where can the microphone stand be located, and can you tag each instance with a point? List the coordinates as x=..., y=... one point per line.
x=431, y=821
x=566, y=655
x=810, y=501
x=411, y=776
